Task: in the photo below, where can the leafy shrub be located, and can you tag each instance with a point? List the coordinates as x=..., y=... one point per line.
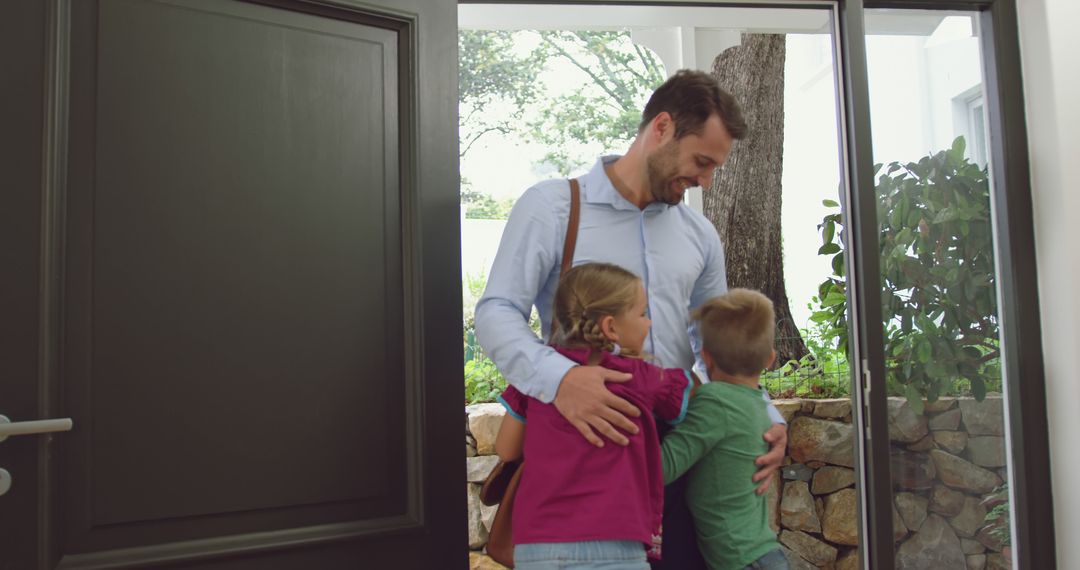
x=937, y=275
x=483, y=382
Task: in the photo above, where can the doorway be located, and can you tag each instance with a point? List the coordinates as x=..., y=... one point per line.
x=935, y=382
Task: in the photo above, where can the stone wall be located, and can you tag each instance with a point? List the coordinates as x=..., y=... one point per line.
x=481, y=425
x=945, y=464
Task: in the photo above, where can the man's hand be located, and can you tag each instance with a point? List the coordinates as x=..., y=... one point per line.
x=771, y=461
x=588, y=405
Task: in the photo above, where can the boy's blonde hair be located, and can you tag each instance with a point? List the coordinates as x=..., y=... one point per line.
x=588, y=293
x=738, y=330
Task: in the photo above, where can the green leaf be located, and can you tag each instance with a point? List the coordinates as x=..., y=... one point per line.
x=896, y=219
x=958, y=146
x=945, y=215
x=828, y=249
x=833, y=298
x=838, y=264
x=828, y=232
x=830, y=203
x=933, y=390
x=978, y=388
x=914, y=399
x=923, y=351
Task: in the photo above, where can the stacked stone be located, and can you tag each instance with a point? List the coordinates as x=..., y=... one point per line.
x=945, y=463
x=481, y=426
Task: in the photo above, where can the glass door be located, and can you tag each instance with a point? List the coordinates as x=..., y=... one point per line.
x=935, y=343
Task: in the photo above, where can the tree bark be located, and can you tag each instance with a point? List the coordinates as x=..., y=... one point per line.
x=744, y=200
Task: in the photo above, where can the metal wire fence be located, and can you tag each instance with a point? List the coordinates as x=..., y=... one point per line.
x=823, y=373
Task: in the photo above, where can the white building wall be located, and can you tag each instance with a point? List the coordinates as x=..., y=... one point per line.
x=1049, y=47
x=954, y=68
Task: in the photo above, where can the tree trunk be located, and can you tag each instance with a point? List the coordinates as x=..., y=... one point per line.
x=744, y=200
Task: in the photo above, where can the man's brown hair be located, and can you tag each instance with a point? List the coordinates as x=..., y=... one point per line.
x=691, y=97
x=738, y=330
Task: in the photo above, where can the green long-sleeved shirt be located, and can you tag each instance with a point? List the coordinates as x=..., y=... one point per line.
x=718, y=442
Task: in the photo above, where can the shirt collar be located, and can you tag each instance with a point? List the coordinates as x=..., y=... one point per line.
x=596, y=188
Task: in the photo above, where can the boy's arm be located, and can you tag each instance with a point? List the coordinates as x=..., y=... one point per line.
x=510, y=441
x=685, y=445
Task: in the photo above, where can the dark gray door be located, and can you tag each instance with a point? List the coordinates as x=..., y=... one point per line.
x=230, y=255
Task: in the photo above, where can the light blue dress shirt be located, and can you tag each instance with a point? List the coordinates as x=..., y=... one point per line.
x=674, y=249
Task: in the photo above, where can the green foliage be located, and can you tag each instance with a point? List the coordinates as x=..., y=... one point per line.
x=481, y=206
x=937, y=267
x=823, y=373
x=483, y=383
x=605, y=110
x=500, y=89
x=998, y=516
x=495, y=84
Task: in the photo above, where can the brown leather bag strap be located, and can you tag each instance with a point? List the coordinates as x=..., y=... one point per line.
x=569, y=243
x=571, y=227
x=500, y=545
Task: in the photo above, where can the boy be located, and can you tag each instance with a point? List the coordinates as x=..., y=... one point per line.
x=721, y=435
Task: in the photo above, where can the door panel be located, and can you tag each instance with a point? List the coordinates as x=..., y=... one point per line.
x=242, y=296
x=22, y=52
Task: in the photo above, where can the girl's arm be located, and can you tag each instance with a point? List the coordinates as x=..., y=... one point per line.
x=510, y=441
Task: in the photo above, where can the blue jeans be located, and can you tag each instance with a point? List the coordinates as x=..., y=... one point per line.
x=589, y=555
x=774, y=560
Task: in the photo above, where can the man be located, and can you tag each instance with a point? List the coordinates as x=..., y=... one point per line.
x=632, y=215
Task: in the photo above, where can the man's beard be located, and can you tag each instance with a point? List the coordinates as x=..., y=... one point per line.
x=662, y=168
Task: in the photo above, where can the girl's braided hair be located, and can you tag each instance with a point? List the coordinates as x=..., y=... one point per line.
x=588, y=293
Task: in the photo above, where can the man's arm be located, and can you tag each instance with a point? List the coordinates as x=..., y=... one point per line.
x=529, y=251
x=711, y=283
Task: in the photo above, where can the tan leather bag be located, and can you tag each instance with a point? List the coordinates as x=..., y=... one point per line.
x=501, y=484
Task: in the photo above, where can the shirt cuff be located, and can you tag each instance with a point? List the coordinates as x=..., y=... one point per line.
x=549, y=375
x=774, y=414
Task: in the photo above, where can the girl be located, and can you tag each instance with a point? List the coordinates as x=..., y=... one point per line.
x=579, y=506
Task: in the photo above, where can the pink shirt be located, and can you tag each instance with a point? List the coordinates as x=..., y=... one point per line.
x=572, y=491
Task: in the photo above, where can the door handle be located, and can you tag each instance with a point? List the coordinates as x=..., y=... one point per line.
x=10, y=428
